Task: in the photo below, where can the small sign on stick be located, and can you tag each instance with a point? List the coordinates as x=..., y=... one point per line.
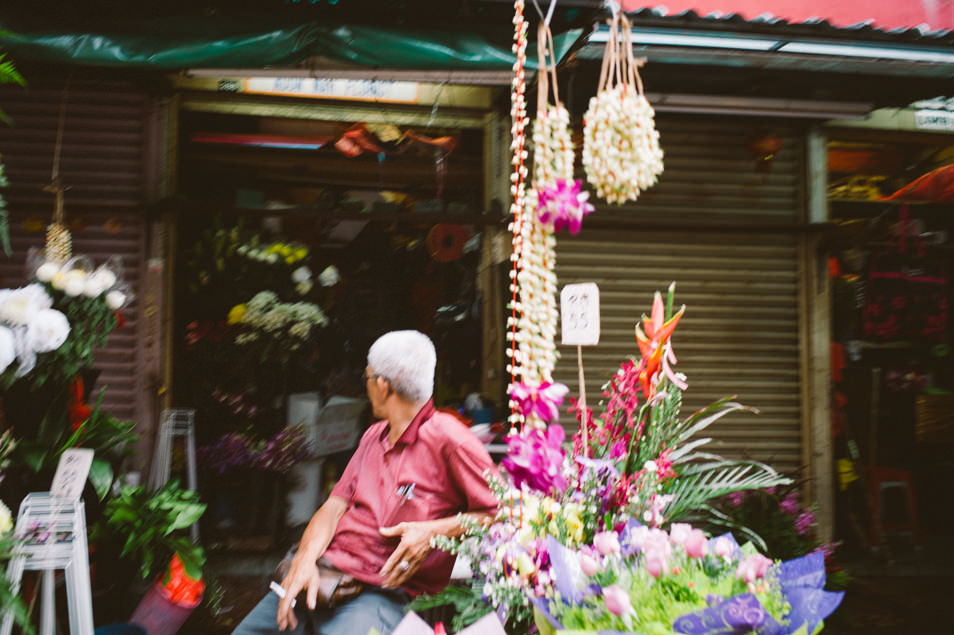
x=580, y=314
x=71, y=473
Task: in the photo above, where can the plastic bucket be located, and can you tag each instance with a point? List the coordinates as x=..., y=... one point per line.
x=158, y=615
x=121, y=629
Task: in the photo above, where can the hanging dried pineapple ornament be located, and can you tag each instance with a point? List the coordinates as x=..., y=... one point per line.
x=621, y=153
x=59, y=242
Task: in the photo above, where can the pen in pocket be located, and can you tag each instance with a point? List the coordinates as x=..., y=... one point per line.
x=406, y=493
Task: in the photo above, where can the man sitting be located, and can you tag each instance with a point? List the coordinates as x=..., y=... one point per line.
x=412, y=474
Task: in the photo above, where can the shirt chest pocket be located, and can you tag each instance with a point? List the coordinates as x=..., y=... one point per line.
x=409, y=507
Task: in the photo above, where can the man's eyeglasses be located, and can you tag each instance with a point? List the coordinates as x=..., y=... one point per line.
x=366, y=376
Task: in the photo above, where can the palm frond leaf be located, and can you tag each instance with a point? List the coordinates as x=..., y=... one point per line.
x=697, y=484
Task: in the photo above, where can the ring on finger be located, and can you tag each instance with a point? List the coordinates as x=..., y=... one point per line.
x=404, y=565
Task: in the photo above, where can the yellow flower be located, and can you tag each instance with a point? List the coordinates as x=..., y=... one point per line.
x=525, y=535
x=273, y=249
x=525, y=565
x=285, y=250
x=289, y=259
x=6, y=519
x=237, y=313
x=574, y=527
x=301, y=253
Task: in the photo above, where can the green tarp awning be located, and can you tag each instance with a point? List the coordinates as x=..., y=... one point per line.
x=233, y=42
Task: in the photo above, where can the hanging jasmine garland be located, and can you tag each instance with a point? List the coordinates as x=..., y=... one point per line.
x=621, y=153
x=519, y=226
x=534, y=351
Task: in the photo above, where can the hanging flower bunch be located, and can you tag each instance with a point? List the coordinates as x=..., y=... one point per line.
x=558, y=198
x=621, y=152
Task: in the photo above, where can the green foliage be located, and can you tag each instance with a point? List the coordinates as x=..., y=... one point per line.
x=91, y=322
x=467, y=602
x=109, y=437
x=10, y=601
x=152, y=527
x=8, y=74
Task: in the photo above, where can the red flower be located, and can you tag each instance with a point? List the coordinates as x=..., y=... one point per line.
x=78, y=410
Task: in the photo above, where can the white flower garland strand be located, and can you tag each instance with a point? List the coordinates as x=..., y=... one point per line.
x=519, y=226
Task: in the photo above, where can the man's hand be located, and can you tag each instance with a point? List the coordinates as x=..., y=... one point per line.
x=414, y=547
x=302, y=574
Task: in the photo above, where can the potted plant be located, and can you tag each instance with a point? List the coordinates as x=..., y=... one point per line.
x=138, y=535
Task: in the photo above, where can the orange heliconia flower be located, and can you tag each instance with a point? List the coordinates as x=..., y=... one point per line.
x=651, y=337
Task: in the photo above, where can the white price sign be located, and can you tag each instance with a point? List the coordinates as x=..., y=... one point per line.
x=580, y=314
x=71, y=473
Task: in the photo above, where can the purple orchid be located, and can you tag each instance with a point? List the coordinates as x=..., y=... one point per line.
x=536, y=459
x=543, y=400
x=564, y=205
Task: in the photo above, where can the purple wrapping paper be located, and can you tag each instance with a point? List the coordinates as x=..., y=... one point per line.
x=807, y=571
x=565, y=569
x=740, y=614
x=803, y=581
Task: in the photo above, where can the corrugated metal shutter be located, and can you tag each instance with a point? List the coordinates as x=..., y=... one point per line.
x=740, y=334
x=102, y=162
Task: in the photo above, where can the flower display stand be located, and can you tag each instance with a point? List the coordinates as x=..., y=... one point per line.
x=175, y=422
x=64, y=524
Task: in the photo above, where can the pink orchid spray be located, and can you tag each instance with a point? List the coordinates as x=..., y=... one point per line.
x=564, y=205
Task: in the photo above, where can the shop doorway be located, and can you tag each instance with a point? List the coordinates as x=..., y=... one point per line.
x=298, y=243
x=891, y=256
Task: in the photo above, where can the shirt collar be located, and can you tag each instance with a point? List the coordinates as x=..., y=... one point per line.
x=409, y=435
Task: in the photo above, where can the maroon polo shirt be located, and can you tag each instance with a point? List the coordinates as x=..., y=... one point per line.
x=443, y=460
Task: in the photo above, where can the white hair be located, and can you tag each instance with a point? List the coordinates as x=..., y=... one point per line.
x=407, y=360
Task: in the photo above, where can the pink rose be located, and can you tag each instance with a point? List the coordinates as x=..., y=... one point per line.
x=589, y=564
x=753, y=567
x=606, y=542
x=617, y=600
x=695, y=544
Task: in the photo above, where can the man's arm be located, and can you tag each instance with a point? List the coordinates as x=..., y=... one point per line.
x=303, y=572
x=415, y=544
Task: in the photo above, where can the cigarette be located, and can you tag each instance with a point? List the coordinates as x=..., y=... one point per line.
x=279, y=591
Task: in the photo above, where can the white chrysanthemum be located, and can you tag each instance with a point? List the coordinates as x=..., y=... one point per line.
x=47, y=271
x=73, y=282
x=6, y=518
x=99, y=282
x=20, y=306
x=329, y=277
x=300, y=330
x=8, y=348
x=301, y=274
x=116, y=299
x=304, y=287
x=47, y=331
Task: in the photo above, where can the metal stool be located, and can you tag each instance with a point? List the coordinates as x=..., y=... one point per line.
x=175, y=422
x=65, y=548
